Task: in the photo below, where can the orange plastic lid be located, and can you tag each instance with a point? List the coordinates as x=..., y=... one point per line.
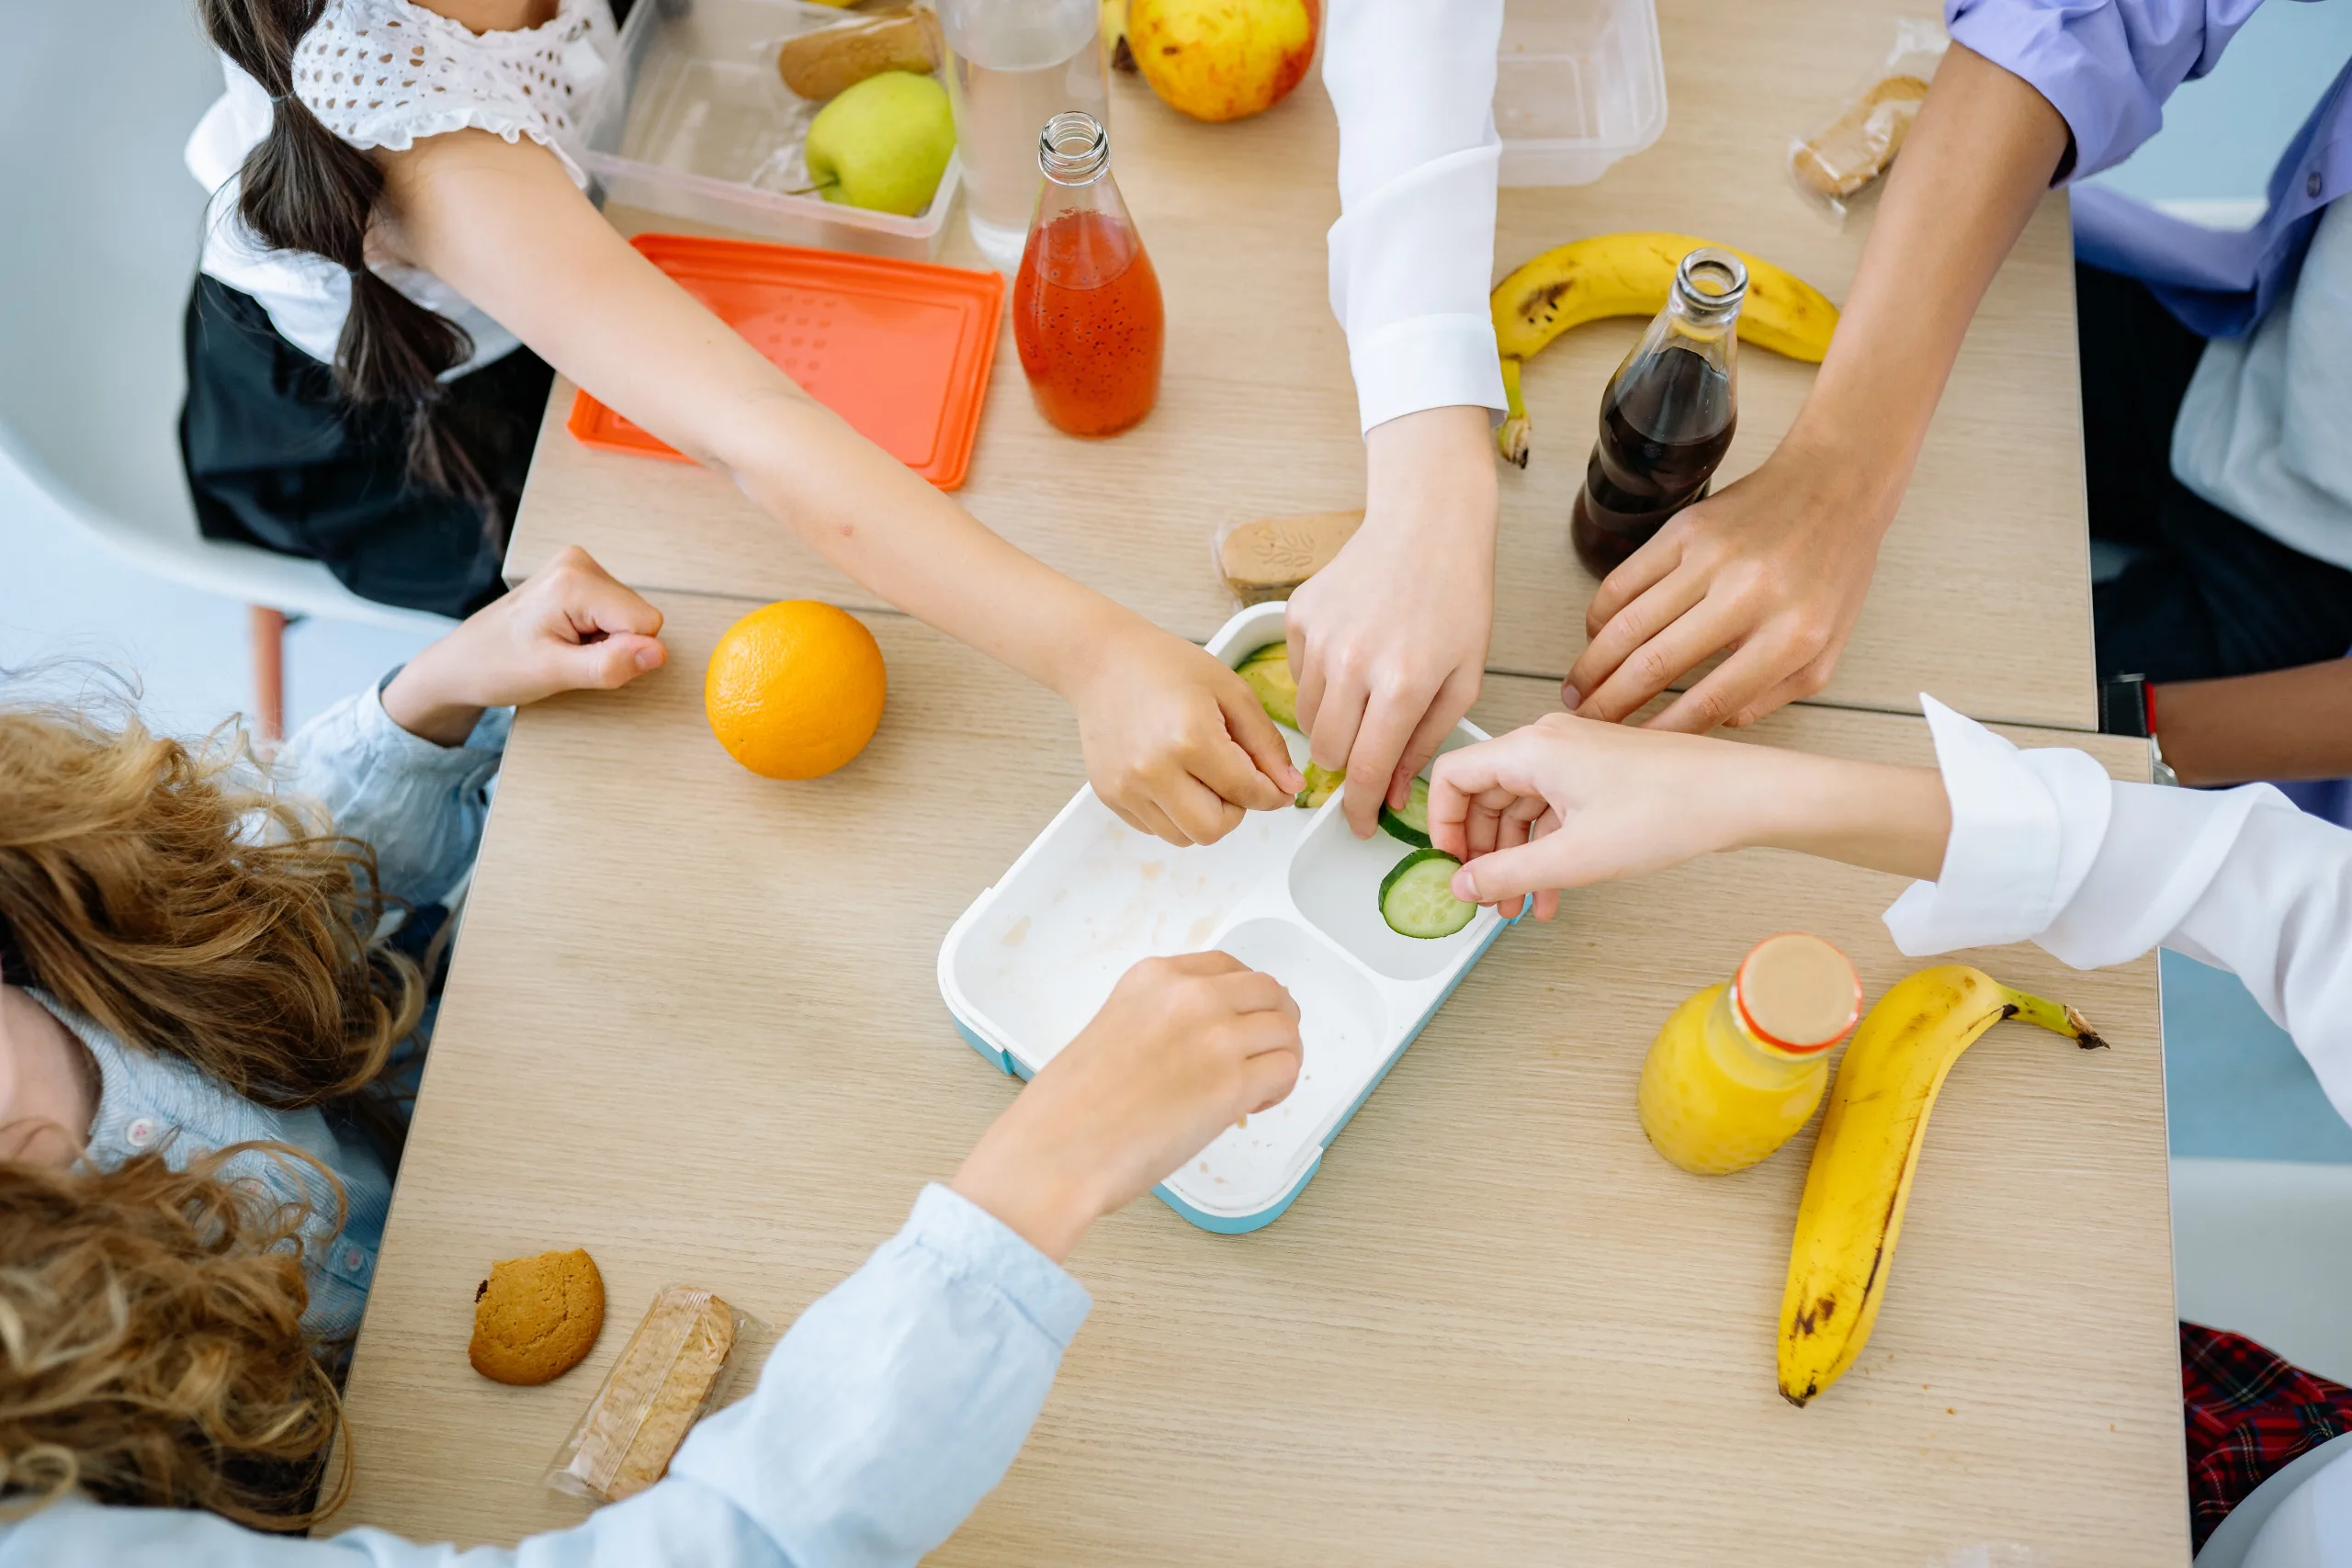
x=1797, y=992
x=900, y=349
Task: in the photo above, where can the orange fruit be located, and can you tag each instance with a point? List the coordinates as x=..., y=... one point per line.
x=795, y=690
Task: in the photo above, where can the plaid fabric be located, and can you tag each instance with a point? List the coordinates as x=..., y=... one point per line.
x=2249, y=1414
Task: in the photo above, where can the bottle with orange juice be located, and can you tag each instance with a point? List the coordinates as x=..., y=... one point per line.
x=1739, y=1068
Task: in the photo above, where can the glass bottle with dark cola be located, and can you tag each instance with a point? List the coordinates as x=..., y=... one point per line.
x=1668, y=416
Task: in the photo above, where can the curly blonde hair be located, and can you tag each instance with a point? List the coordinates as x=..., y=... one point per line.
x=145, y=883
x=151, y=1348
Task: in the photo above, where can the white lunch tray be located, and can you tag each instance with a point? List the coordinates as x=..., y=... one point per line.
x=1289, y=892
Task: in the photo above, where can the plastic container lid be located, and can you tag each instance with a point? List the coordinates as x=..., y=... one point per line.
x=1797, y=992
x=900, y=349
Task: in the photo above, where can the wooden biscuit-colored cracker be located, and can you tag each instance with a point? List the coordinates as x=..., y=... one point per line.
x=832, y=60
x=1267, y=557
x=1856, y=148
x=536, y=1317
x=656, y=1393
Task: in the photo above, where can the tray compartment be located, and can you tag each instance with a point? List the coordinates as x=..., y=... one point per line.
x=1335, y=881
x=1092, y=899
x=1347, y=1035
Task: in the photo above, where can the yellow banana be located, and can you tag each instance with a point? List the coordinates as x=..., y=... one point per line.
x=1629, y=274
x=1860, y=1176
x=1115, y=37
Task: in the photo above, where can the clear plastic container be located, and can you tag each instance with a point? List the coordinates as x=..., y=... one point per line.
x=696, y=122
x=1580, y=85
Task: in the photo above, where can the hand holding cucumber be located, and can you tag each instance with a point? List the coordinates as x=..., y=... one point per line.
x=1566, y=801
x=1176, y=743
x=1388, y=642
x=1184, y=1048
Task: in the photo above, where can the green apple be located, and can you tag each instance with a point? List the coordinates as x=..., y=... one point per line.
x=883, y=144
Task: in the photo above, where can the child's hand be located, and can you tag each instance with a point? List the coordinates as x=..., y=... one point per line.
x=1567, y=801
x=1184, y=1048
x=569, y=627
x=1175, y=743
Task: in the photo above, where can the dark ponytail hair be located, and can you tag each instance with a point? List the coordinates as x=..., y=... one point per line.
x=304, y=188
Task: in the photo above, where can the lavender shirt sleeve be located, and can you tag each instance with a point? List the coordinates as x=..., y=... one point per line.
x=2106, y=65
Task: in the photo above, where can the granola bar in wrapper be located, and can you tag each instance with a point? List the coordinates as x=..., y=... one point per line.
x=674, y=1370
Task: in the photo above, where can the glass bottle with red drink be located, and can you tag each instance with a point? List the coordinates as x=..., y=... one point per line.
x=1085, y=310
x=1667, y=417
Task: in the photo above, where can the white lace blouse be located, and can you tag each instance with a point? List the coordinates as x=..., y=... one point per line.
x=384, y=73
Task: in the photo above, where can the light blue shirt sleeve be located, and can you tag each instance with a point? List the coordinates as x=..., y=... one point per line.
x=2107, y=66
x=891, y=1409
x=421, y=806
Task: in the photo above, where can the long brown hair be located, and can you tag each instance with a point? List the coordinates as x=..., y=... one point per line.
x=163, y=892
x=150, y=1346
x=304, y=188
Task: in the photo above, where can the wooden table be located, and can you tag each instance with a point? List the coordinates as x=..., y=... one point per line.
x=692, y=1027
x=1983, y=589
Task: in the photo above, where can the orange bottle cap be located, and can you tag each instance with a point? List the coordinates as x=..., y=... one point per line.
x=1796, y=993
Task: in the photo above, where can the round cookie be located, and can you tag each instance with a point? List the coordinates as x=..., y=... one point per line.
x=535, y=1318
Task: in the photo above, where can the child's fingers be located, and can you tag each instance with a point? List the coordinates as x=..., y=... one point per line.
x=1476, y=779
x=1511, y=873
x=1733, y=687
x=1452, y=700
x=1389, y=720
x=1248, y=990
x=1199, y=809
x=613, y=662
x=1270, y=1074
x=595, y=601
x=1267, y=780
x=1331, y=733
x=1153, y=821
x=1514, y=827
x=1307, y=675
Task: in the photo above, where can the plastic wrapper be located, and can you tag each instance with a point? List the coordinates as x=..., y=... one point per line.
x=1847, y=153
x=674, y=1370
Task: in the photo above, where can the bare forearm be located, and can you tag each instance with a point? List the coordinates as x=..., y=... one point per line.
x=1866, y=814
x=892, y=531
x=1973, y=168
x=2286, y=724
x=502, y=225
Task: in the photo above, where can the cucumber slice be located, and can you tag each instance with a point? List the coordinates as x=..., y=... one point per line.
x=1266, y=673
x=1417, y=897
x=1322, y=784
x=1412, y=823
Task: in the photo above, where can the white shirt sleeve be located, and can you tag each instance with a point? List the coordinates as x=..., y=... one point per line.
x=1413, y=253
x=2045, y=846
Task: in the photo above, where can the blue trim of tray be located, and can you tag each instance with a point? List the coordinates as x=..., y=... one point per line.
x=1241, y=1224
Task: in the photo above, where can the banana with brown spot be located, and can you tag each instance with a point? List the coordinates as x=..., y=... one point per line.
x=1859, y=1180
x=1629, y=274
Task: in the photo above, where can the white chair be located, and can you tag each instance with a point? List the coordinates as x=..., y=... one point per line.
x=98, y=238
